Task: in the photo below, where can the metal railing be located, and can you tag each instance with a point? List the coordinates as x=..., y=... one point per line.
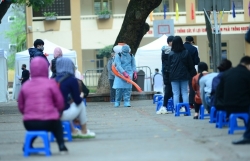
x=91, y=76
x=148, y=77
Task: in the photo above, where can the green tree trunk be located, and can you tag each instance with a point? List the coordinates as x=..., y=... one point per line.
x=133, y=29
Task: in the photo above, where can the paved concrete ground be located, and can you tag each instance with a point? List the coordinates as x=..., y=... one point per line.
x=134, y=134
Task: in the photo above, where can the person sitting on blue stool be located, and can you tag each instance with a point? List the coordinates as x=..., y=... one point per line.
x=42, y=106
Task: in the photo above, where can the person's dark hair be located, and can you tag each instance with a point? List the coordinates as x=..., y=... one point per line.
x=24, y=65
x=202, y=66
x=190, y=39
x=38, y=42
x=157, y=70
x=245, y=60
x=177, y=44
x=224, y=65
x=170, y=39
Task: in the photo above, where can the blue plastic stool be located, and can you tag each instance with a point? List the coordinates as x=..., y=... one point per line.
x=202, y=113
x=66, y=131
x=157, y=97
x=213, y=112
x=84, y=101
x=28, y=138
x=221, y=119
x=233, y=122
x=170, y=106
x=187, y=109
x=159, y=104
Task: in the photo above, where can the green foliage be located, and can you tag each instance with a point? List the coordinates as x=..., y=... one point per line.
x=106, y=51
x=16, y=34
x=36, y=4
x=50, y=14
x=105, y=12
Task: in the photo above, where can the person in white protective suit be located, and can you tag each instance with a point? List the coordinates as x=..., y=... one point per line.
x=125, y=64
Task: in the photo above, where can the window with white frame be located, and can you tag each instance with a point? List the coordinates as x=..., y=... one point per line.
x=101, y=5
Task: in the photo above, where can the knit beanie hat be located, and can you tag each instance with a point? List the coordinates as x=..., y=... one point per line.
x=65, y=66
x=57, y=52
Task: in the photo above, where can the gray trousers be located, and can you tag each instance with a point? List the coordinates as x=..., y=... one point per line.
x=112, y=90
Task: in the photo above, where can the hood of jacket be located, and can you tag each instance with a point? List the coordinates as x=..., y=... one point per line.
x=33, y=51
x=39, y=67
x=166, y=49
x=65, y=66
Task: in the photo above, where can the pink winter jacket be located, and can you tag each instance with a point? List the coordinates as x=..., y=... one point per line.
x=40, y=98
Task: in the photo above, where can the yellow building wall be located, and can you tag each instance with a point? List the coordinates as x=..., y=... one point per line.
x=87, y=7
x=119, y=6
x=87, y=59
x=235, y=48
x=181, y=5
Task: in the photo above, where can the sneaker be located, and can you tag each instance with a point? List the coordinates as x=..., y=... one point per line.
x=117, y=104
x=89, y=134
x=162, y=110
x=158, y=112
x=182, y=109
x=75, y=135
x=63, y=150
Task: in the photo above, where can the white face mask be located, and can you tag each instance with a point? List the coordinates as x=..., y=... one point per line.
x=41, y=48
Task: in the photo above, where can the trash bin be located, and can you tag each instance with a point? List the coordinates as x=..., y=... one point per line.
x=140, y=80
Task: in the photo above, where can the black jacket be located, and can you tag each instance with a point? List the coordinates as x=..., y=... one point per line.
x=53, y=67
x=25, y=75
x=164, y=58
x=233, y=91
x=247, y=36
x=180, y=66
x=193, y=52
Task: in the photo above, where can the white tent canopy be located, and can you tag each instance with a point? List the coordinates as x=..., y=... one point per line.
x=24, y=58
x=150, y=55
x=3, y=77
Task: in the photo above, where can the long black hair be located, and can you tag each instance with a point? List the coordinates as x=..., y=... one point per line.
x=177, y=44
x=202, y=66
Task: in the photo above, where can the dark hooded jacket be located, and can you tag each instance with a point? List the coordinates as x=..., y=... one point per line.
x=34, y=52
x=232, y=93
x=180, y=66
x=164, y=58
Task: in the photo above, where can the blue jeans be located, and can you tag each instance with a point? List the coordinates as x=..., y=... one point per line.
x=177, y=87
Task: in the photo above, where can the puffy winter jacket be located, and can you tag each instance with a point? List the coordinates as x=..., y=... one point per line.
x=34, y=52
x=196, y=87
x=180, y=66
x=40, y=98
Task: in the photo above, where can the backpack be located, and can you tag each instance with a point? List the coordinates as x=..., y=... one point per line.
x=85, y=90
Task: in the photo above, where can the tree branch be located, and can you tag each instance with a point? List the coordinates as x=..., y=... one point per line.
x=4, y=6
x=134, y=27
